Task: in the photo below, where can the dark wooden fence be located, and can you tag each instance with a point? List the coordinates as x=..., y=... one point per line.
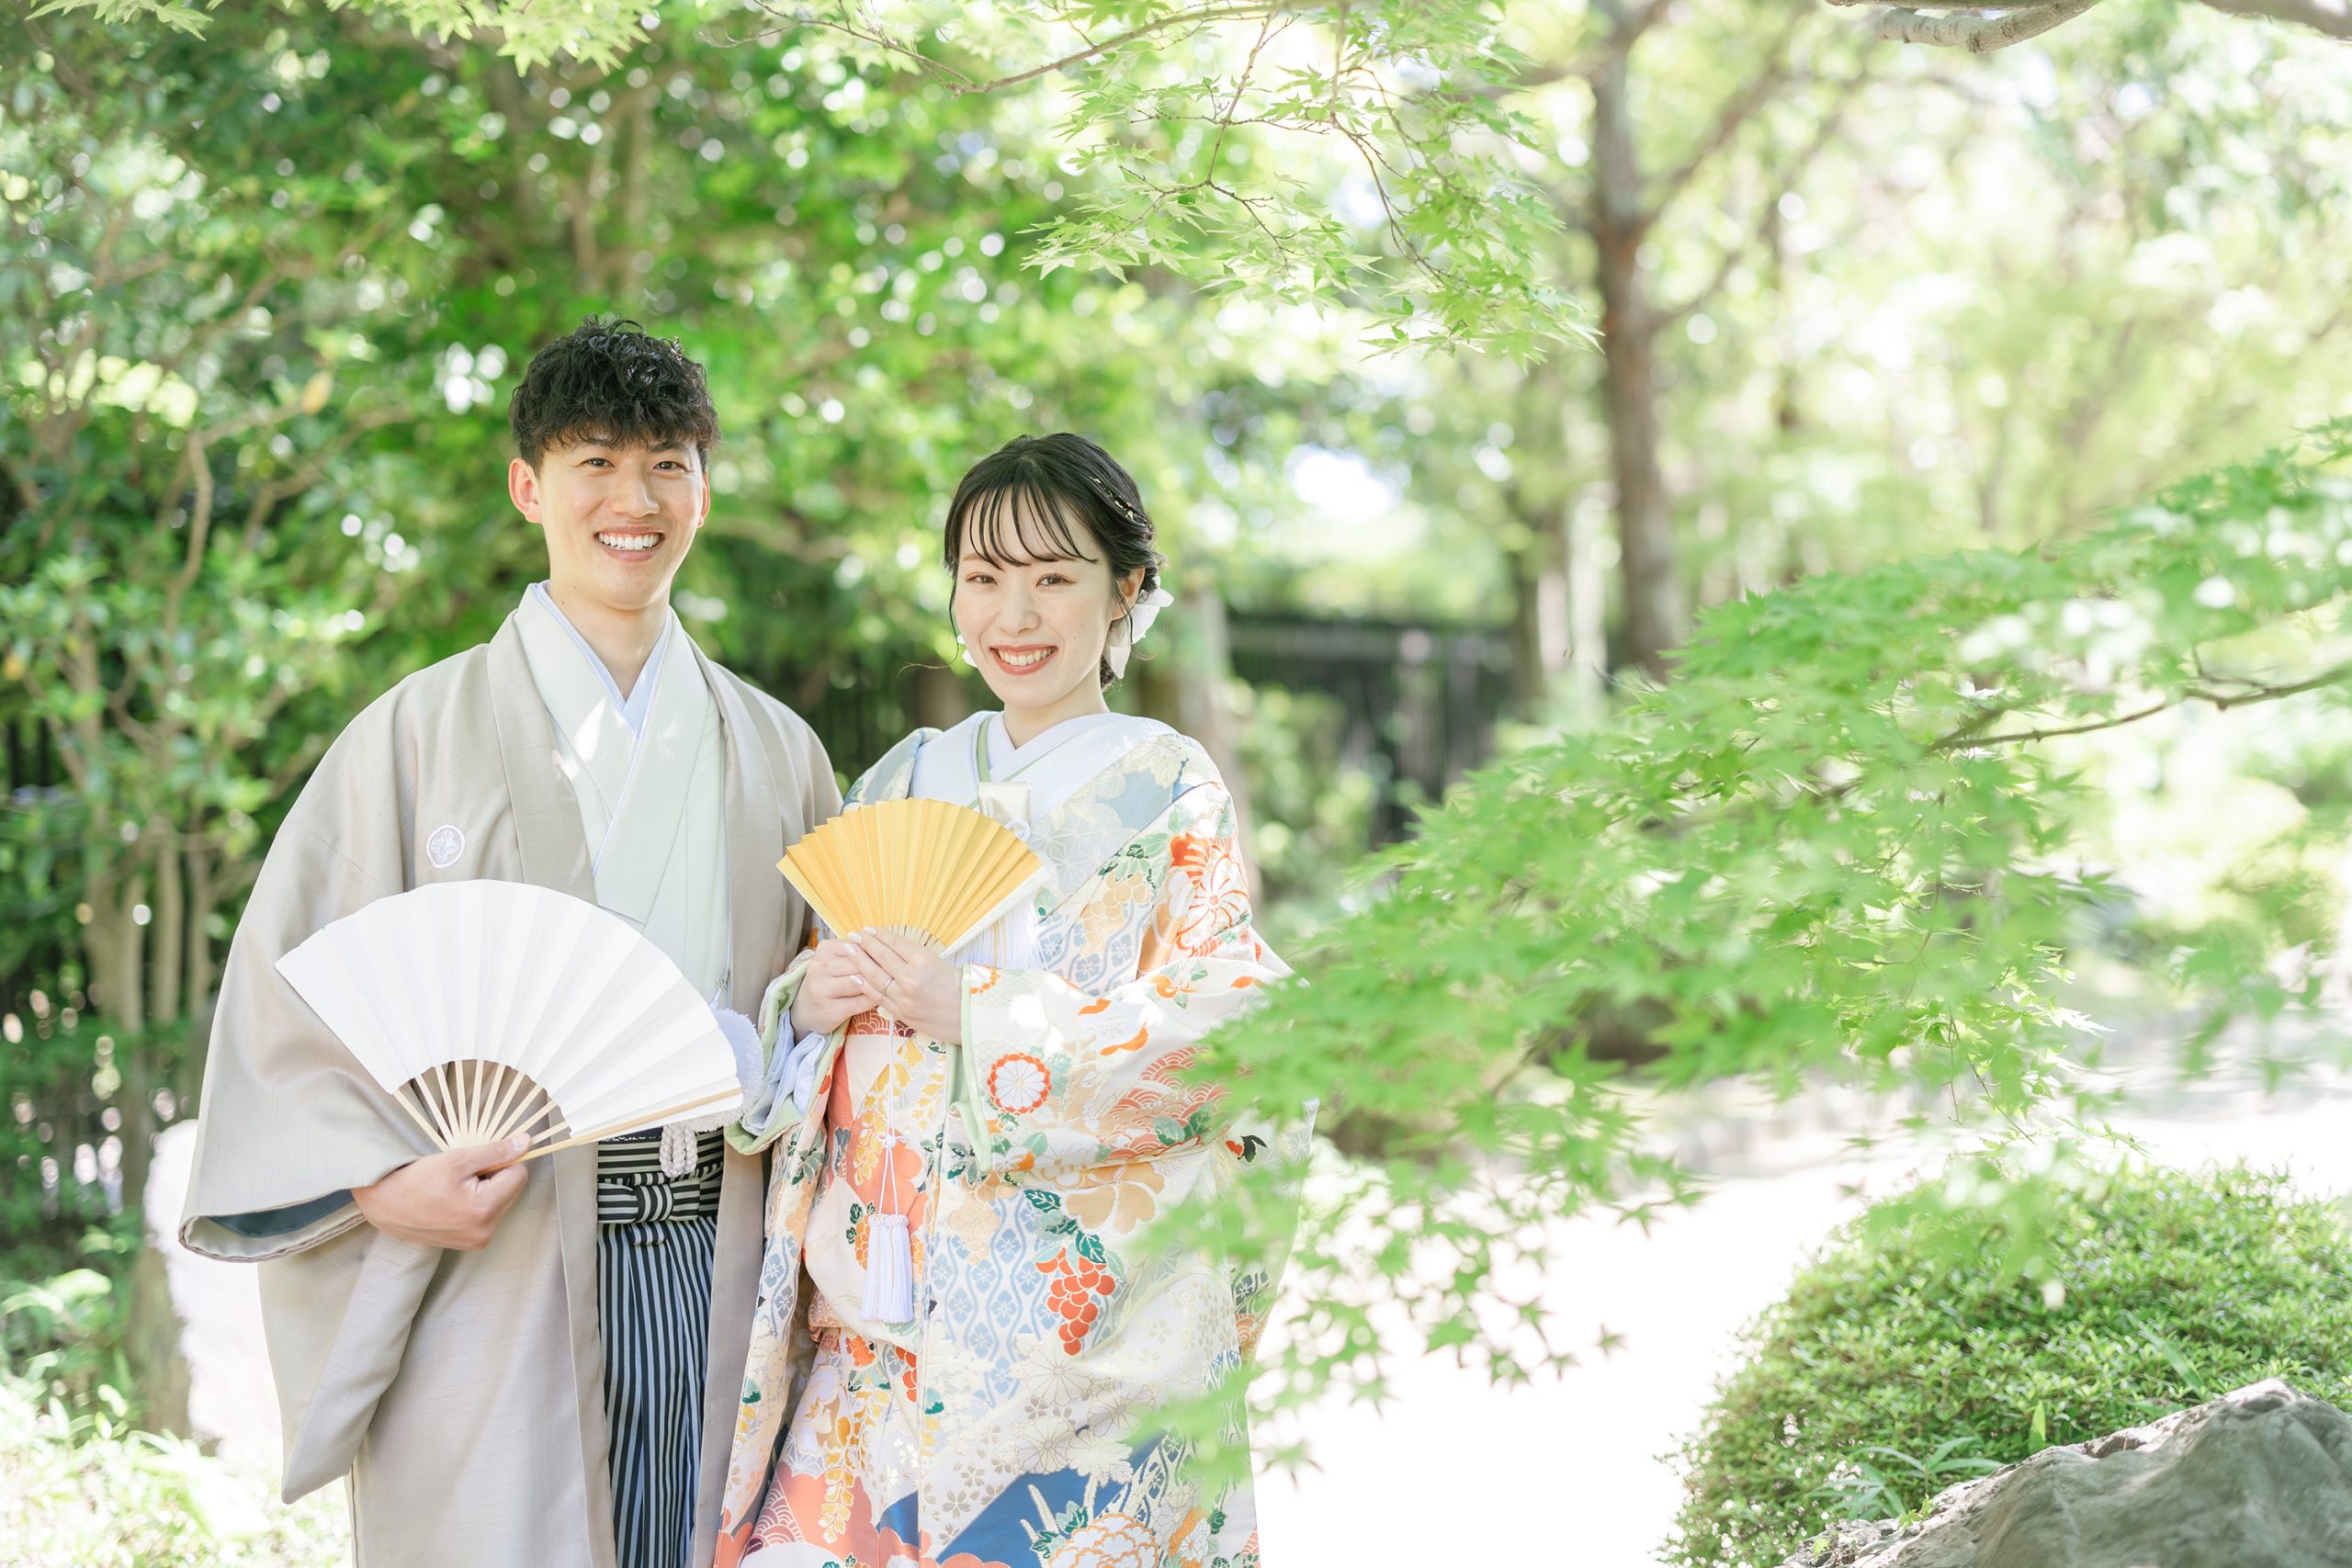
x=1419, y=702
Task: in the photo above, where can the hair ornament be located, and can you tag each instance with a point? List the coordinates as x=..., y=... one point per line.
x=1113, y=497
x=1139, y=616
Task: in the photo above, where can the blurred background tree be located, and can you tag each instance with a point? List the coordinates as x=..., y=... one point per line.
x=1323, y=277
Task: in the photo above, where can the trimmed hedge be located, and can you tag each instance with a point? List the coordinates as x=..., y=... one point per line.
x=2178, y=1288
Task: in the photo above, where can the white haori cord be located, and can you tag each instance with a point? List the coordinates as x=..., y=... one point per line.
x=679, y=1138
x=890, y=1252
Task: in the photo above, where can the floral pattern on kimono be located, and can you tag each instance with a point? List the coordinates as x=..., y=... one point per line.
x=1008, y=1427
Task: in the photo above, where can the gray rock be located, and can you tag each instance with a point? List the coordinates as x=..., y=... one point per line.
x=2261, y=1478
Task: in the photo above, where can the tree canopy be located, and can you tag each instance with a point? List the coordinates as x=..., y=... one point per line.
x=1903, y=381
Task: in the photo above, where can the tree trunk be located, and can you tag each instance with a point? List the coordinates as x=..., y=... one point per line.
x=1653, y=597
x=153, y=1330
x=198, y=978
x=1539, y=496
x=1529, y=671
x=1588, y=607
x=168, y=942
x=1542, y=610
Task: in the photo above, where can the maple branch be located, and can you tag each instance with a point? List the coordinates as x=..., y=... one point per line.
x=2221, y=702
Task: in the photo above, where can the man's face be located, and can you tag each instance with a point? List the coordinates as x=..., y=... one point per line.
x=619, y=519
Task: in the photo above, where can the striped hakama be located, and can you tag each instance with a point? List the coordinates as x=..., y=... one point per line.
x=655, y=1236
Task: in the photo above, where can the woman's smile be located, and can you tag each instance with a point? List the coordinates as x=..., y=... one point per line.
x=1022, y=659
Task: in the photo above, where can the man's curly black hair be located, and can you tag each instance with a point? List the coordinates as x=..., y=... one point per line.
x=612, y=382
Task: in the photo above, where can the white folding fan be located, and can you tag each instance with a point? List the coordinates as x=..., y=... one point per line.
x=937, y=871
x=489, y=1009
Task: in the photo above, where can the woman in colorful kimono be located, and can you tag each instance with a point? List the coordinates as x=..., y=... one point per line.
x=958, y=1348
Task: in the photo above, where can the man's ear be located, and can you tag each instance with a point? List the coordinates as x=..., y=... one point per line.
x=522, y=488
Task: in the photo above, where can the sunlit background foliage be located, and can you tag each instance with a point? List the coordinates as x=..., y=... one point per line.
x=1469, y=357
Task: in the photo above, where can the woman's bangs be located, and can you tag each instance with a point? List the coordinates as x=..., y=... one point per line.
x=1015, y=525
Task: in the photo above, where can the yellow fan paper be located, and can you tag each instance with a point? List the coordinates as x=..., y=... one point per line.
x=929, y=868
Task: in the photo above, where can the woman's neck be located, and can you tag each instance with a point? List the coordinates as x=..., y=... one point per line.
x=1023, y=724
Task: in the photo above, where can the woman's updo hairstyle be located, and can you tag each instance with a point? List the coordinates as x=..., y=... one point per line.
x=1017, y=506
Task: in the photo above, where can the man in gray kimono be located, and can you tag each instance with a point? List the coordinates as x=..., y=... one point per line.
x=523, y=1364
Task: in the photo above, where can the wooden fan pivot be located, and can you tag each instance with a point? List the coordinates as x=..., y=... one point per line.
x=465, y=1103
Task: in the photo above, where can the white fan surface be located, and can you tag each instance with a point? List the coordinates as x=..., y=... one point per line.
x=557, y=988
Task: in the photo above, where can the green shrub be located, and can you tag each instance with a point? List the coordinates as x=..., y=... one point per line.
x=65, y=1336
x=80, y=1485
x=81, y=1490
x=1887, y=1374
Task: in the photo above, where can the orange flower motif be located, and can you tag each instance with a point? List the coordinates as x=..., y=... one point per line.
x=1116, y=1198
x=1220, y=892
x=1019, y=1083
x=1072, y=1283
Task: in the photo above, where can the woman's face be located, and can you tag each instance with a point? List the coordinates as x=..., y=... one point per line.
x=1036, y=620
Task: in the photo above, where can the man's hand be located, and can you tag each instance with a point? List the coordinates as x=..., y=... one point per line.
x=454, y=1199
x=831, y=990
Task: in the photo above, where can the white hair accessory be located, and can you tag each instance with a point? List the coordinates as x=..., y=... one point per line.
x=1139, y=616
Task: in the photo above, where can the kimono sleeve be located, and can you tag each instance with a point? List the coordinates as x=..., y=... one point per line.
x=290, y=1121
x=1054, y=1078
x=770, y=1107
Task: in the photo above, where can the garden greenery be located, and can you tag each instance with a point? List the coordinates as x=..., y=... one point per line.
x=1890, y=1372
x=1295, y=151
x=83, y=1488
x=1836, y=846
x=1843, y=841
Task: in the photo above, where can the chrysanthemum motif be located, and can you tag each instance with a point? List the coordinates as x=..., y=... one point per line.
x=1042, y=1446
x=1113, y=1540
x=1019, y=1083
x=1054, y=1377
x=1098, y=1456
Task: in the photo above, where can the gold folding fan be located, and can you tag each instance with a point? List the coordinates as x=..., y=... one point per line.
x=929, y=868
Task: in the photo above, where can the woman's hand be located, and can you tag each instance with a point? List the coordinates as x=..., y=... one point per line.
x=911, y=984
x=833, y=991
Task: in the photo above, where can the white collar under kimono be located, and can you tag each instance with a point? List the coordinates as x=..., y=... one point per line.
x=976, y=764
x=639, y=701
x=649, y=771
